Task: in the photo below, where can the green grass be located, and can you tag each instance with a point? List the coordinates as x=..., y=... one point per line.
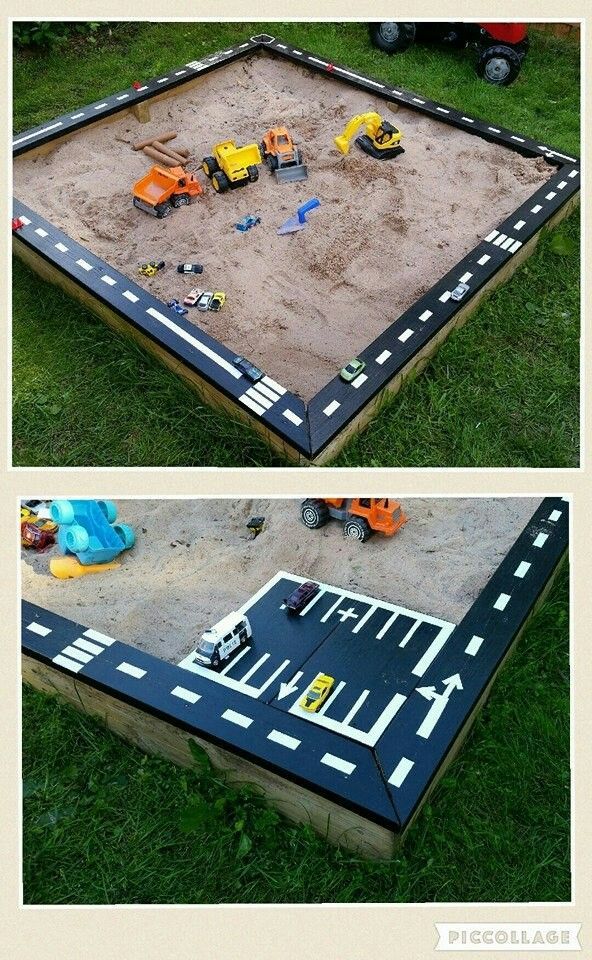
x=104, y=823
x=501, y=392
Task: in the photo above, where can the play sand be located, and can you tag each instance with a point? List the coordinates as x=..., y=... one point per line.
x=194, y=562
x=299, y=306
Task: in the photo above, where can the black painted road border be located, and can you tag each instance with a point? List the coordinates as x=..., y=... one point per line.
x=308, y=428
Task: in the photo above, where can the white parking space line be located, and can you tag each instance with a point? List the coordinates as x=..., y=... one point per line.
x=330, y=699
x=238, y=718
x=398, y=775
x=385, y=718
x=39, y=629
x=273, y=677
x=410, y=633
x=234, y=660
x=432, y=652
x=283, y=739
x=361, y=699
x=387, y=625
x=364, y=619
x=310, y=605
x=344, y=766
x=255, y=667
x=332, y=609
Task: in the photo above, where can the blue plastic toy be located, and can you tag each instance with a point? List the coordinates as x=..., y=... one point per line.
x=87, y=530
x=245, y=223
x=176, y=306
x=299, y=221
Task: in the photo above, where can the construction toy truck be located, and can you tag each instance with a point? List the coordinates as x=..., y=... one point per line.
x=361, y=516
x=231, y=166
x=163, y=188
x=381, y=139
x=282, y=156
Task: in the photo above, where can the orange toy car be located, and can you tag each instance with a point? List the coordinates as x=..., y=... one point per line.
x=282, y=155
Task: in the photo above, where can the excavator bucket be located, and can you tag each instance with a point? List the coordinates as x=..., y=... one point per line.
x=298, y=171
x=342, y=144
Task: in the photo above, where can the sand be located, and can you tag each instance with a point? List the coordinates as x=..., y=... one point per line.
x=299, y=306
x=193, y=563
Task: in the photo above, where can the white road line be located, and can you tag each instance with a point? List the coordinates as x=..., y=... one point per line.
x=494, y=129
x=252, y=405
x=483, y=260
x=515, y=246
x=331, y=698
x=537, y=208
x=573, y=173
x=410, y=633
x=465, y=277
x=364, y=619
x=383, y=356
x=491, y=236
x=130, y=296
x=551, y=195
x=310, y=605
x=360, y=379
x=77, y=654
x=168, y=322
x=238, y=718
x=37, y=133
x=269, y=394
x=522, y=569
x=332, y=609
x=25, y=220
x=425, y=315
x=72, y=665
x=406, y=334
x=100, y=106
x=125, y=96
x=292, y=417
x=131, y=671
x=432, y=652
x=508, y=243
x=38, y=628
x=385, y=718
x=474, y=645
x=445, y=296
x=276, y=736
x=519, y=139
x=41, y=232
x=77, y=116
x=519, y=225
x=442, y=110
x=540, y=540
x=344, y=766
x=400, y=772
x=61, y=247
x=263, y=401
x=99, y=637
x=84, y=264
x=468, y=119
x=502, y=601
x=361, y=699
x=273, y=385
x=500, y=239
x=107, y=279
x=388, y=624
x=185, y=694
x=255, y=667
x=333, y=406
x=554, y=515
x=93, y=648
x=234, y=660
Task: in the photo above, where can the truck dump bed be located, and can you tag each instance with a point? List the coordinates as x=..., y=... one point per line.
x=156, y=186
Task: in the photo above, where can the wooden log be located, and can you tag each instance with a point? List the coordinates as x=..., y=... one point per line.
x=164, y=138
x=161, y=157
x=168, y=152
x=184, y=151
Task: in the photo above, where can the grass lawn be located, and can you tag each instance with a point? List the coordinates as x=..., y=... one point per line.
x=83, y=396
x=104, y=823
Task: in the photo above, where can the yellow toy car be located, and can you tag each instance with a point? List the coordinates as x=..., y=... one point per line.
x=317, y=693
x=217, y=301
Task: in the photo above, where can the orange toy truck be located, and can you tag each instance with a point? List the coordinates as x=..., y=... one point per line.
x=282, y=155
x=361, y=516
x=162, y=188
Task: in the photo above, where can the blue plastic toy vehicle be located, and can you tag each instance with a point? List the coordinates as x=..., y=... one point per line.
x=245, y=223
x=87, y=530
x=176, y=306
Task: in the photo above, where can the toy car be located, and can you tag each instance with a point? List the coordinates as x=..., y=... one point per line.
x=459, y=291
x=189, y=268
x=317, y=693
x=249, y=369
x=204, y=301
x=218, y=300
x=301, y=596
x=176, y=306
x=245, y=223
x=151, y=268
x=192, y=297
x=36, y=537
x=352, y=370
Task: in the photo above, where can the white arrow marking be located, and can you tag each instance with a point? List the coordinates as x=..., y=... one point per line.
x=439, y=703
x=287, y=688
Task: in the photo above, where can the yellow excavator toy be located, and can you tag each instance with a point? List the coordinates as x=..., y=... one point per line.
x=381, y=140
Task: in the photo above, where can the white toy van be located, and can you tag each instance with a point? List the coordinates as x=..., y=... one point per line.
x=221, y=640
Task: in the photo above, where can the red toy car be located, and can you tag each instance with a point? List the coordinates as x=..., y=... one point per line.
x=501, y=47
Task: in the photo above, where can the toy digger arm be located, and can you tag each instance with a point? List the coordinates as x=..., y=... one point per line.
x=372, y=121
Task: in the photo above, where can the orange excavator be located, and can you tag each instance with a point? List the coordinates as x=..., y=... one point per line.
x=361, y=516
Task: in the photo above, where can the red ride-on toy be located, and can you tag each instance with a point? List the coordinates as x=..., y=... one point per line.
x=501, y=47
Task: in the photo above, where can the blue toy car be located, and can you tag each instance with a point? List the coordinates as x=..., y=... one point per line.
x=176, y=306
x=247, y=222
x=87, y=529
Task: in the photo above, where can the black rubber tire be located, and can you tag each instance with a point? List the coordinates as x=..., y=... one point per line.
x=356, y=528
x=314, y=514
x=392, y=37
x=216, y=663
x=209, y=166
x=220, y=182
x=499, y=65
x=182, y=200
x=253, y=172
x=163, y=210
x=272, y=162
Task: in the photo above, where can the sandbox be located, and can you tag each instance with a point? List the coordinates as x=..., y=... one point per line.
x=412, y=630
x=372, y=274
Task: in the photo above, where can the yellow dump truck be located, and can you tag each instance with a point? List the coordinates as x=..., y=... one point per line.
x=231, y=166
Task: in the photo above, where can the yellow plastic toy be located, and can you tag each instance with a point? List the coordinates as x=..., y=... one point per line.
x=68, y=567
x=232, y=166
x=381, y=140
